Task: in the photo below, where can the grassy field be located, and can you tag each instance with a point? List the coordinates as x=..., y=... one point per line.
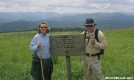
x=15, y=56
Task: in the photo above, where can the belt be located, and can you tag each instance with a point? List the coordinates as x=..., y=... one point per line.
x=97, y=54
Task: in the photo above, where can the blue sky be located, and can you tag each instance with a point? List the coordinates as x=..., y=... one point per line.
x=67, y=6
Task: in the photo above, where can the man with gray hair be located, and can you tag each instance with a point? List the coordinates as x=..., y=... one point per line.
x=94, y=47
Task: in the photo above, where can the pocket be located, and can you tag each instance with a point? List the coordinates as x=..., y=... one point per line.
x=96, y=60
x=51, y=65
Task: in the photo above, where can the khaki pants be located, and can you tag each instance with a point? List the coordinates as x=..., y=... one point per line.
x=95, y=67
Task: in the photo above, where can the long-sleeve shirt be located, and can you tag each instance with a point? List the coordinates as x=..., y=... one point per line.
x=45, y=45
x=98, y=45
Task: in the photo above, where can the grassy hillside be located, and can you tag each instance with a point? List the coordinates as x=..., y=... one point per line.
x=15, y=56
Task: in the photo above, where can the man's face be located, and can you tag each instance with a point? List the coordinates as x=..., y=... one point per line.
x=90, y=28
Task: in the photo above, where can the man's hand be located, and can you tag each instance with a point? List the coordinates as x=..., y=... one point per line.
x=92, y=40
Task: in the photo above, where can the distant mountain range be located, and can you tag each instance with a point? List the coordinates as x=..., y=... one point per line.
x=19, y=21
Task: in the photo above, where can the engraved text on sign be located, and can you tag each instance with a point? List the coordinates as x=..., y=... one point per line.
x=67, y=45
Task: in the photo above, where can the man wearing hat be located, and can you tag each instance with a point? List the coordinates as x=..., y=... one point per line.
x=92, y=63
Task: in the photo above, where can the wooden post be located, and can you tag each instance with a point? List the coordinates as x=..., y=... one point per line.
x=68, y=68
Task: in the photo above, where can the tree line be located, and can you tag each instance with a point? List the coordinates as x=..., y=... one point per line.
x=53, y=29
x=64, y=29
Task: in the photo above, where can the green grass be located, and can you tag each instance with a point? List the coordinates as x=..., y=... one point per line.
x=15, y=56
x=119, y=57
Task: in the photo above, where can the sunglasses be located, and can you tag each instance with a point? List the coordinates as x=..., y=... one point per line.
x=89, y=26
x=43, y=27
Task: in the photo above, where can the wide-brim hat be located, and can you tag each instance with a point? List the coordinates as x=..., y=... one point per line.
x=89, y=21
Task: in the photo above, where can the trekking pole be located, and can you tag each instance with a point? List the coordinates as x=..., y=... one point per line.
x=41, y=63
x=90, y=52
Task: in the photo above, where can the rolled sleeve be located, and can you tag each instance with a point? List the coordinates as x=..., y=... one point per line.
x=33, y=48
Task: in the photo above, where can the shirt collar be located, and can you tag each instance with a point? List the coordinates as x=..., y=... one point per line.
x=92, y=32
x=42, y=34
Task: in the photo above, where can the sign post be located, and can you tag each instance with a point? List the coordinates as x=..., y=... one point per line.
x=67, y=45
x=68, y=68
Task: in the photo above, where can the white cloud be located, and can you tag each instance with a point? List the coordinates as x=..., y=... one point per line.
x=67, y=6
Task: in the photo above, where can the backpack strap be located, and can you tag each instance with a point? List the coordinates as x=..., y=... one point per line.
x=96, y=34
x=96, y=37
x=85, y=36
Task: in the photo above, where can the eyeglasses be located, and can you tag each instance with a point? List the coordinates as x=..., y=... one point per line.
x=89, y=25
x=43, y=27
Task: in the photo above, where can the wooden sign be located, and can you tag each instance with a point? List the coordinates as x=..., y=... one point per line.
x=67, y=45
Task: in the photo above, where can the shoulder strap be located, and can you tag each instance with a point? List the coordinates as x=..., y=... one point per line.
x=85, y=34
x=96, y=37
x=85, y=37
x=96, y=34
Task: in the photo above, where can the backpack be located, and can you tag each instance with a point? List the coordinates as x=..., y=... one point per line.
x=96, y=37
